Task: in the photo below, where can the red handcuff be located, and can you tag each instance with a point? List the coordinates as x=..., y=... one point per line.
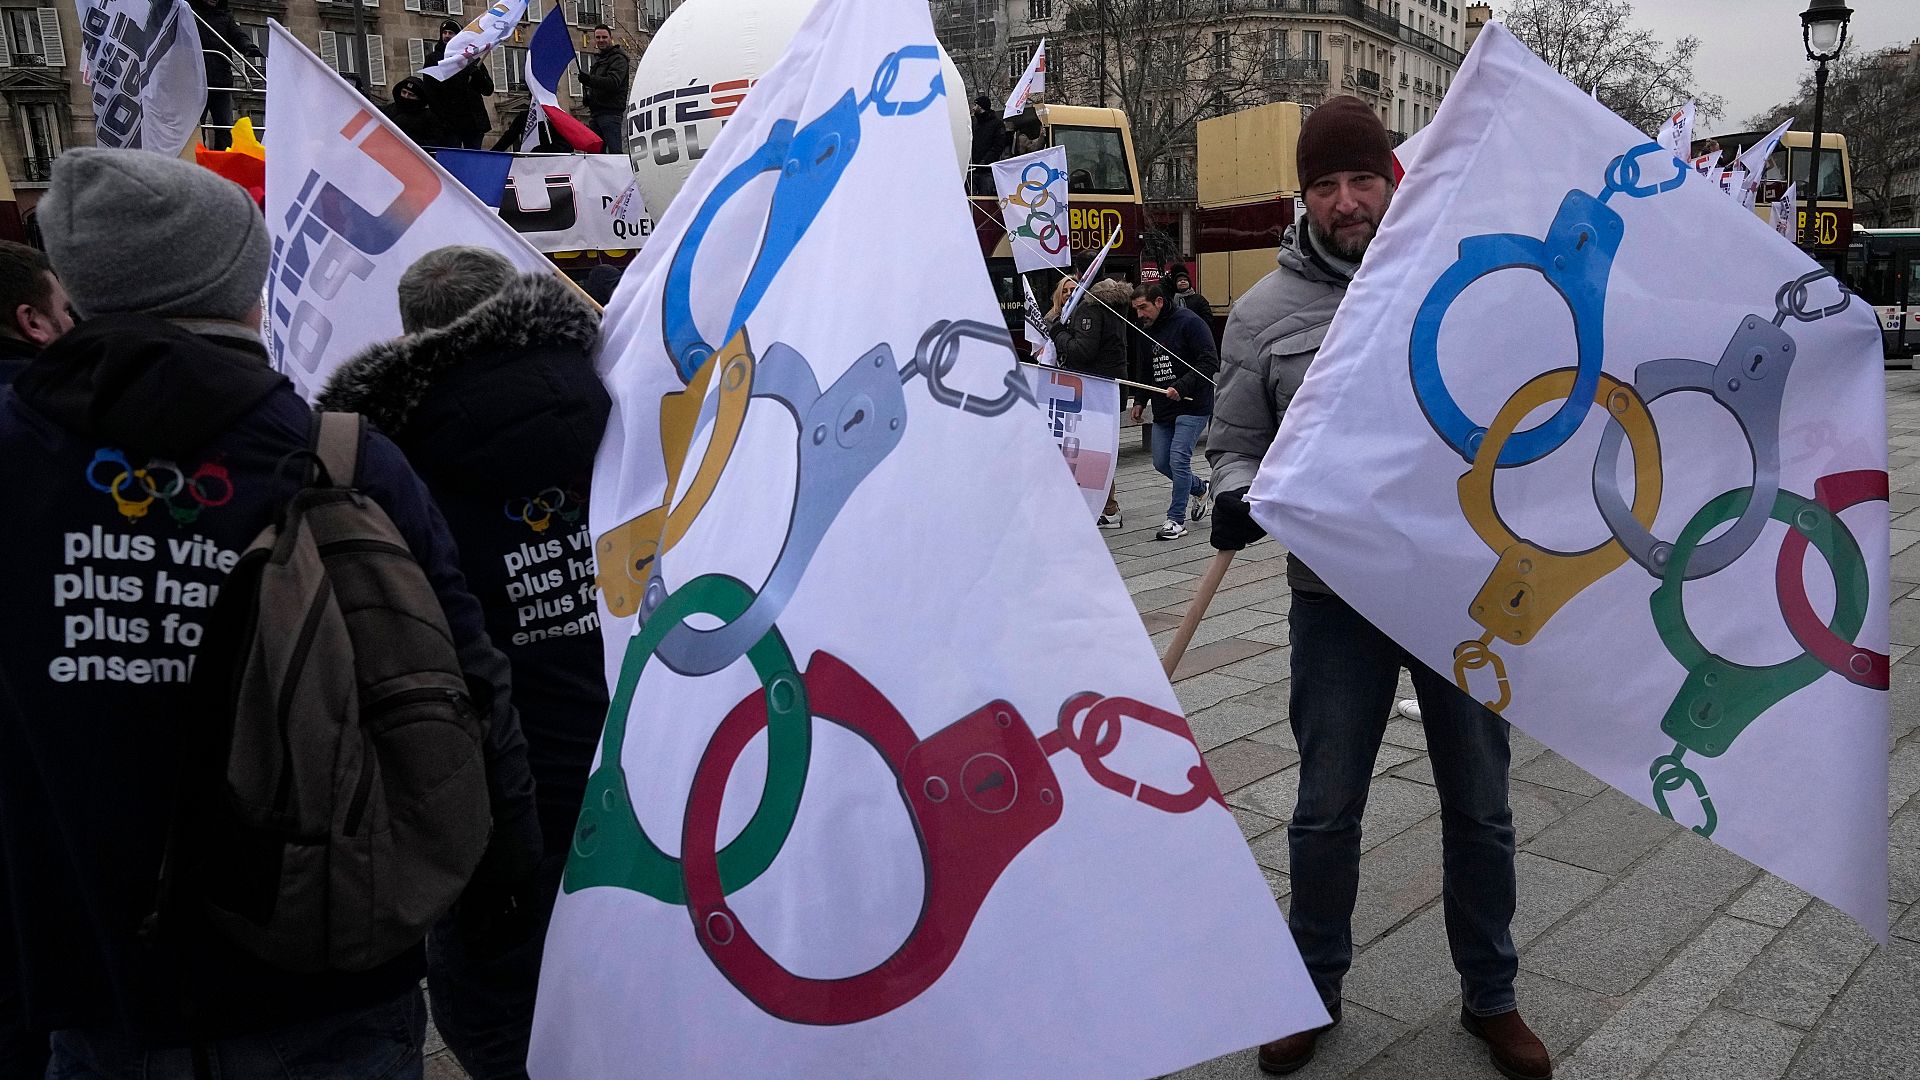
x=978, y=792
x=1863, y=667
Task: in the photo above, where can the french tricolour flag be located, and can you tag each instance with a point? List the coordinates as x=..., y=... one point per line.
x=548, y=55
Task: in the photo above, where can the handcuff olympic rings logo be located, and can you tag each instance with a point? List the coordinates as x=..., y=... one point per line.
x=537, y=512
x=1529, y=584
x=1051, y=238
x=134, y=491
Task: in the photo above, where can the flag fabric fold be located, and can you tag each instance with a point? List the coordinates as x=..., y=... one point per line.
x=351, y=203
x=1627, y=488
x=479, y=37
x=1034, y=327
x=148, y=78
x=1032, y=84
x=867, y=654
x=549, y=53
x=1091, y=275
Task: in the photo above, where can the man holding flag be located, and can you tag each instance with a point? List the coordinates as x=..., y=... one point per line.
x=458, y=87
x=548, y=55
x=605, y=83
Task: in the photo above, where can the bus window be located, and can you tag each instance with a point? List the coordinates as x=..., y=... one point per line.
x=1832, y=186
x=1875, y=278
x=1096, y=161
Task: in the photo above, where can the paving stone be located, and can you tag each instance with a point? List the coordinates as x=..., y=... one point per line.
x=1155, y=579
x=1640, y=1031
x=1280, y=734
x=1524, y=748
x=1870, y=1030
x=1903, y=855
x=1270, y=851
x=1795, y=979
x=1404, y=732
x=1419, y=770
x=1625, y=934
x=1274, y=633
x=1394, y=806
x=1269, y=667
x=1156, y=621
x=1903, y=622
x=1908, y=926
x=1277, y=882
x=442, y=1066
x=1397, y=879
x=1210, y=689
x=1609, y=833
x=1726, y=1045
x=1253, y=823
x=1241, y=762
x=1441, y=1049
x=1903, y=772
x=1361, y=1036
x=1274, y=796
x=1234, y=596
x=1536, y=808
x=1218, y=654
x=1218, y=725
x=1770, y=901
x=1545, y=892
x=1552, y=770
x=1164, y=597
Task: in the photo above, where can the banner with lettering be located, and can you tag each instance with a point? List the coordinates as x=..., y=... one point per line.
x=1656, y=544
x=891, y=783
x=148, y=77
x=573, y=203
x=351, y=203
x=1083, y=416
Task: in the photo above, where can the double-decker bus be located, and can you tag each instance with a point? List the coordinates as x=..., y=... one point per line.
x=1883, y=269
x=1103, y=196
x=1826, y=238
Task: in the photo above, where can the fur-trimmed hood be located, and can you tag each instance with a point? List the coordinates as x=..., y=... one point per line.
x=505, y=395
x=388, y=381
x=1117, y=295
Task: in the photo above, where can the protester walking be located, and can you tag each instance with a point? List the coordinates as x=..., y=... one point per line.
x=605, y=84
x=416, y=119
x=493, y=397
x=459, y=101
x=34, y=309
x=1180, y=360
x=162, y=444
x=1344, y=669
x=220, y=38
x=1094, y=340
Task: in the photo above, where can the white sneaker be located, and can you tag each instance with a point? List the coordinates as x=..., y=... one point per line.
x=1172, y=530
x=1109, y=521
x=1197, y=505
x=1409, y=708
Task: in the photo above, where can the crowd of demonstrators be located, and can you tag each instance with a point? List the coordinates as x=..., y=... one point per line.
x=1179, y=359
x=1344, y=668
x=165, y=376
x=221, y=37
x=604, y=82
x=459, y=102
x=1094, y=340
x=493, y=398
x=35, y=306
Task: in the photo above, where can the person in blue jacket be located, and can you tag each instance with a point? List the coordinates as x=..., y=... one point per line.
x=110, y=570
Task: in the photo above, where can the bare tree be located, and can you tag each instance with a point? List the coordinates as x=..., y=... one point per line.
x=1166, y=63
x=1595, y=44
x=1871, y=99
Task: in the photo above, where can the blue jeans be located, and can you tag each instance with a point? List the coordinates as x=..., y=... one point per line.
x=1344, y=675
x=1173, y=458
x=611, y=127
x=381, y=1042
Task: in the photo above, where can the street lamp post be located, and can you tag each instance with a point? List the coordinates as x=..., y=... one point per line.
x=1823, y=30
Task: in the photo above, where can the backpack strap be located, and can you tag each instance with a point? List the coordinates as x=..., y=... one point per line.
x=336, y=443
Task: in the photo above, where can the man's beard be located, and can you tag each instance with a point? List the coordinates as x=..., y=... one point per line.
x=1349, y=250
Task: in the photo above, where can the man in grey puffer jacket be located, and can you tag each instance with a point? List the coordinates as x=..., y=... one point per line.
x=1344, y=670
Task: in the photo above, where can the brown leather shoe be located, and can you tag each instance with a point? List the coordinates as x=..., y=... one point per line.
x=1517, y=1052
x=1282, y=1056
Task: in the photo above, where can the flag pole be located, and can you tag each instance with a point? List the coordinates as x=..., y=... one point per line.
x=1196, y=610
x=1123, y=382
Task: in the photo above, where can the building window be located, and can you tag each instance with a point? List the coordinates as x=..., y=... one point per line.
x=1039, y=10
x=1310, y=44
x=40, y=136
x=32, y=38
x=1222, y=49
x=1276, y=44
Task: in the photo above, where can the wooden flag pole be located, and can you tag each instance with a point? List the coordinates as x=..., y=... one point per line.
x=1197, y=610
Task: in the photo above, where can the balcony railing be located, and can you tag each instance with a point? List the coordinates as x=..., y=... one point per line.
x=1367, y=80
x=37, y=170
x=1295, y=71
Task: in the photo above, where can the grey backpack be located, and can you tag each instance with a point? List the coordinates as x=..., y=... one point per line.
x=337, y=802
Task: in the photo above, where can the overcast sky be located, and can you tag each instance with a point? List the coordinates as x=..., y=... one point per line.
x=1750, y=51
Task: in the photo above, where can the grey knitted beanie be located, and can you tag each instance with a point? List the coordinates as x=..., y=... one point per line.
x=135, y=231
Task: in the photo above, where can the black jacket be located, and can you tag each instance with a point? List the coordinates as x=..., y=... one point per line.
x=501, y=412
x=417, y=119
x=15, y=355
x=1094, y=339
x=460, y=102
x=215, y=23
x=107, y=591
x=1182, y=356
x=605, y=80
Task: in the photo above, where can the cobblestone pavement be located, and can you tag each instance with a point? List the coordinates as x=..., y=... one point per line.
x=1644, y=951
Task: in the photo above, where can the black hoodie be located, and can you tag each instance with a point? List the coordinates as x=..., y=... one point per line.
x=501, y=412
x=155, y=455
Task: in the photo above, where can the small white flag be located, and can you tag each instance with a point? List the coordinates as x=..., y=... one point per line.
x=1751, y=165
x=1676, y=134
x=479, y=38
x=1786, y=214
x=1035, y=329
x=1032, y=84
x=1092, y=275
x=627, y=207
x=1707, y=162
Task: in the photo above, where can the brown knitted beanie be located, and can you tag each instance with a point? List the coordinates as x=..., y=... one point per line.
x=1343, y=135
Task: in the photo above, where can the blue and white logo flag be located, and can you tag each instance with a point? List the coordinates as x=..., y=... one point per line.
x=854, y=813
x=351, y=203
x=479, y=37
x=148, y=78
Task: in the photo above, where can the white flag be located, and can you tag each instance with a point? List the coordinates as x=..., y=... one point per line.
x=1083, y=416
x=1676, y=133
x=351, y=203
x=1032, y=190
x=1035, y=327
x=478, y=38
x=1032, y=84
x=1751, y=166
x=849, y=817
x=1092, y=275
x=149, y=80
x=1510, y=477
x=1786, y=214
x=627, y=206
x=1706, y=163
